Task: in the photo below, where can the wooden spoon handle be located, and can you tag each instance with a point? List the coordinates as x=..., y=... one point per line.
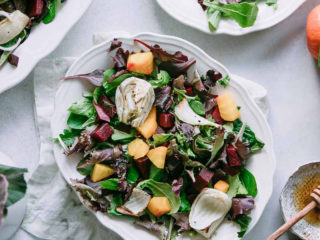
x=285, y=227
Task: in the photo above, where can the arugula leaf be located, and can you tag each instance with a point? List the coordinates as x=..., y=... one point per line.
x=110, y=184
x=155, y=173
x=244, y=222
x=216, y=146
x=68, y=136
x=224, y=81
x=115, y=202
x=110, y=88
x=107, y=74
x=85, y=171
x=248, y=136
x=249, y=181
x=185, y=206
x=17, y=185
x=52, y=5
x=235, y=186
x=123, y=137
x=213, y=17
x=97, y=94
x=83, y=107
x=244, y=13
x=162, y=190
x=76, y=121
x=158, y=139
x=133, y=174
x=162, y=79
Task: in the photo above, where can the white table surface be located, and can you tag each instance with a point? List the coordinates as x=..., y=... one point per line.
x=277, y=58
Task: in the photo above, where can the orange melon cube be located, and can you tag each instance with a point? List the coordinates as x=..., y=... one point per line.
x=138, y=148
x=140, y=63
x=227, y=107
x=159, y=206
x=148, y=128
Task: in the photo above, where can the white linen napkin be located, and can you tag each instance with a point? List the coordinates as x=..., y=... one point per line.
x=53, y=210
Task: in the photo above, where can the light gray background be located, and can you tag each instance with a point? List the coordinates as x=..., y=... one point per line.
x=277, y=58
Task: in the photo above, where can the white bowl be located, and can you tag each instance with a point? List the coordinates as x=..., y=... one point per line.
x=190, y=13
x=43, y=39
x=262, y=164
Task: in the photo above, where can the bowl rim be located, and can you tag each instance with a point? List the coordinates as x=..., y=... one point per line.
x=167, y=38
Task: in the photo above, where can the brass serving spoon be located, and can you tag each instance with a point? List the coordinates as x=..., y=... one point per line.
x=285, y=227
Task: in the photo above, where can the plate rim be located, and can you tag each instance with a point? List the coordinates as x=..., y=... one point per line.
x=16, y=78
x=232, y=32
x=239, y=87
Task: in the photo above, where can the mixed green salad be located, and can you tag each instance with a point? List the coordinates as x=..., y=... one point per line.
x=17, y=17
x=12, y=188
x=161, y=145
x=244, y=12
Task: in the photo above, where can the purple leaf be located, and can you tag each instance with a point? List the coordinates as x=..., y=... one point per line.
x=242, y=149
x=175, y=69
x=115, y=44
x=120, y=59
x=176, y=186
x=241, y=206
x=182, y=220
x=3, y=195
x=163, y=98
x=95, y=77
x=211, y=78
x=102, y=115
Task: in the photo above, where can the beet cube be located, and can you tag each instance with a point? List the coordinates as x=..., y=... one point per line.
x=102, y=132
x=166, y=120
x=108, y=106
x=233, y=158
x=102, y=115
x=189, y=91
x=202, y=179
x=35, y=8
x=143, y=165
x=216, y=116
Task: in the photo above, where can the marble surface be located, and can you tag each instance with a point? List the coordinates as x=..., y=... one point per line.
x=277, y=58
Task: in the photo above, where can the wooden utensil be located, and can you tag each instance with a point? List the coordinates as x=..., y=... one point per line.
x=315, y=202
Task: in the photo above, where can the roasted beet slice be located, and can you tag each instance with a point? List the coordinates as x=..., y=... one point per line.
x=166, y=120
x=101, y=114
x=189, y=91
x=202, y=179
x=233, y=158
x=216, y=116
x=102, y=132
x=108, y=106
x=165, y=144
x=143, y=165
x=35, y=8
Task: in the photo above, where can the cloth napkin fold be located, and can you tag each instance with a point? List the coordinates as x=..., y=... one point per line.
x=53, y=210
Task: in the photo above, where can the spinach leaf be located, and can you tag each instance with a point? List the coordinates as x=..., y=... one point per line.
x=213, y=17
x=115, y=202
x=162, y=190
x=197, y=107
x=17, y=185
x=224, y=81
x=76, y=121
x=97, y=94
x=133, y=174
x=87, y=94
x=273, y=3
x=235, y=186
x=85, y=171
x=158, y=139
x=83, y=107
x=52, y=5
x=244, y=13
x=162, y=79
x=248, y=136
x=185, y=206
x=216, y=146
x=123, y=137
x=110, y=184
x=68, y=136
x=110, y=88
x=244, y=222
x=106, y=76
x=249, y=181
x=155, y=173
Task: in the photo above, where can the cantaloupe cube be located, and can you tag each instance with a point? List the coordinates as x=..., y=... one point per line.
x=148, y=128
x=140, y=63
x=159, y=206
x=221, y=186
x=158, y=156
x=138, y=148
x=101, y=171
x=227, y=107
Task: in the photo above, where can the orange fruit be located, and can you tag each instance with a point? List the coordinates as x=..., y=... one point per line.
x=313, y=31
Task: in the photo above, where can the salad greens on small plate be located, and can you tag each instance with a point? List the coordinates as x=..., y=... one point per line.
x=156, y=141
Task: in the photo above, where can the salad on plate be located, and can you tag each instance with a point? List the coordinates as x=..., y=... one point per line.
x=242, y=11
x=17, y=17
x=160, y=145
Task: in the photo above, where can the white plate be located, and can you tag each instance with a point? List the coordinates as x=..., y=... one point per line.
x=43, y=39
x=262, y=164
x=15, y=212
x=190, y=13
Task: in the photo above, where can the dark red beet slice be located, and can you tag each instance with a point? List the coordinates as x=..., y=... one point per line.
x=102, y=115
x=143, y=165
x=35, y=8
x=202, y=179
x=189, y=91
x=216, y=116
x=102, y=132
x=166, y=120
x=108, y=106
x=233, y=158
x=165, y=144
